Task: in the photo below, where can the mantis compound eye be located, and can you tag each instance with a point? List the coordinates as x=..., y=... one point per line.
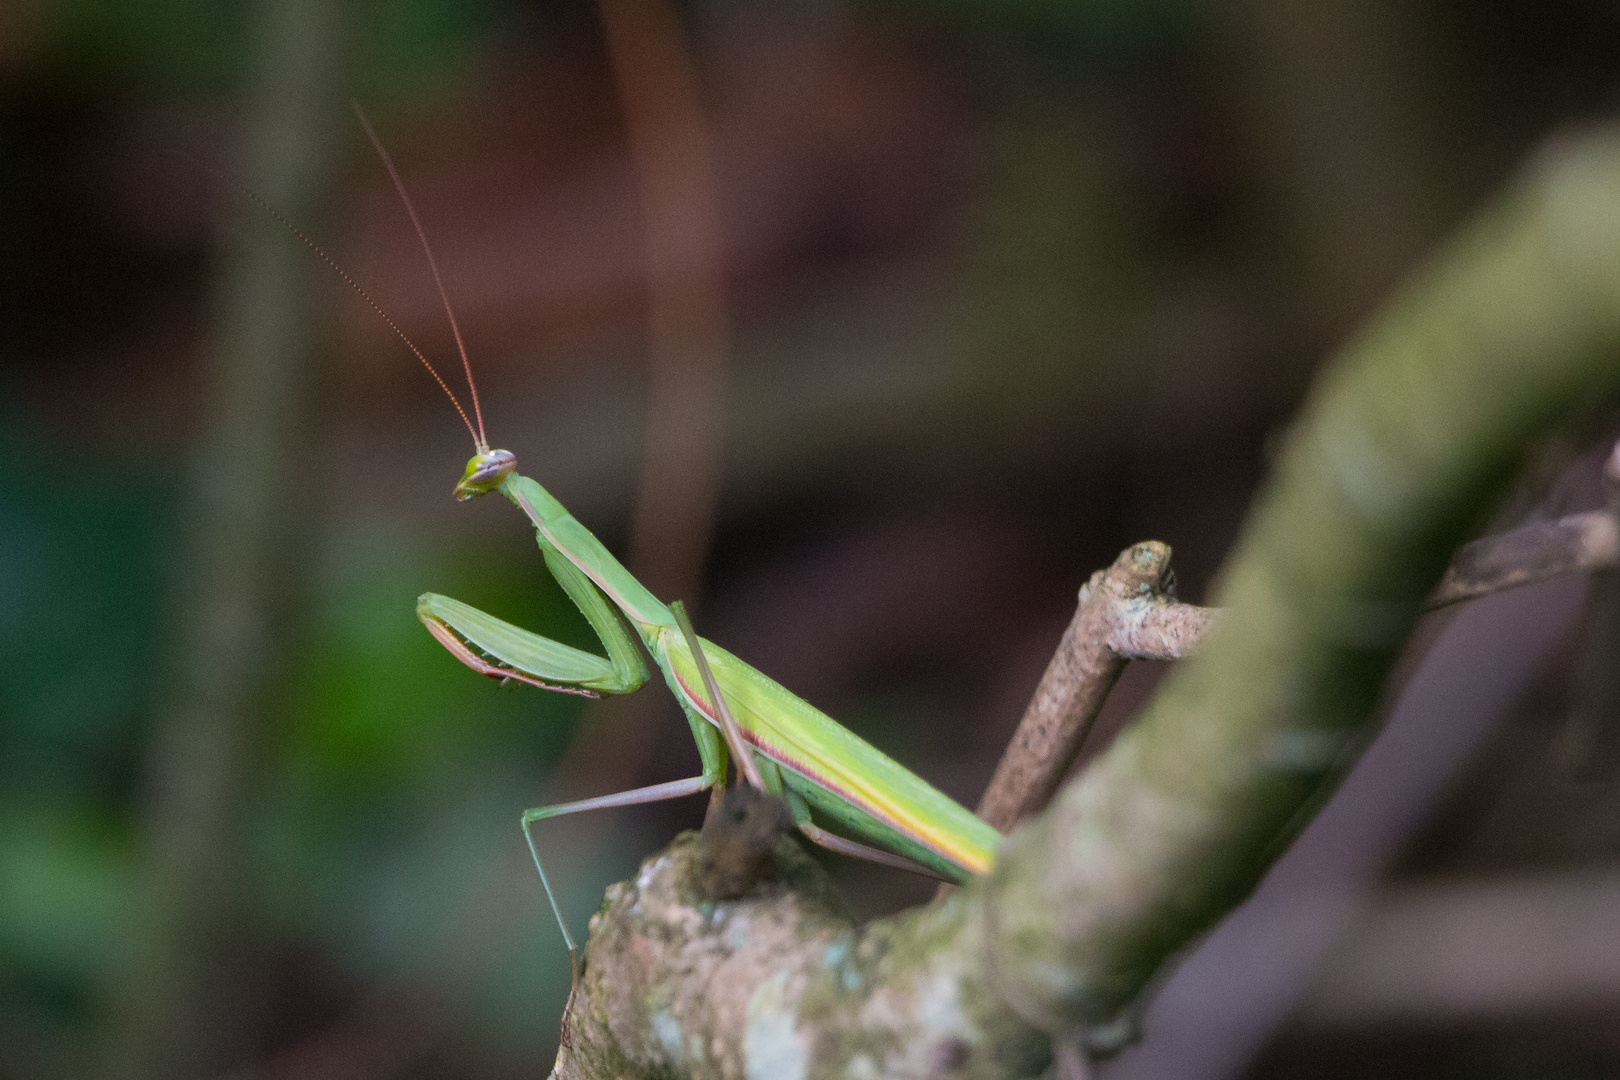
x=485, y=472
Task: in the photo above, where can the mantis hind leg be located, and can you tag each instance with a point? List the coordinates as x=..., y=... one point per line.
x=800, y=810
x=833, y=842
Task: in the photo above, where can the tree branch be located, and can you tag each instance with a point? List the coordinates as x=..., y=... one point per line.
x=1416, y=426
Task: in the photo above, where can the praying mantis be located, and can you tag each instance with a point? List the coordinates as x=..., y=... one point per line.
x=778, y=741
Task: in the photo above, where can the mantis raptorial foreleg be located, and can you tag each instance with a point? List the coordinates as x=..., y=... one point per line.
x=534, y=657
x=539, y=660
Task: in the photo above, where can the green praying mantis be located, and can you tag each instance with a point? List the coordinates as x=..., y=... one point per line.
x=779, y=742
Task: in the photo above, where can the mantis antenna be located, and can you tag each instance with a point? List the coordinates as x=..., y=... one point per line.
x=433, y=264
x=477, y=433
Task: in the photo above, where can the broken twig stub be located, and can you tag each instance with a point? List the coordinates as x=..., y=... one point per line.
x=1126, y=612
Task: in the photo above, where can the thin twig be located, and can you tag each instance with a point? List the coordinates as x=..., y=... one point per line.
x=1530, y=553
x=1125, y=613
x=1539, y=550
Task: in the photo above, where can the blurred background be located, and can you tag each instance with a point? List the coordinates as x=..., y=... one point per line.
x=870, y=327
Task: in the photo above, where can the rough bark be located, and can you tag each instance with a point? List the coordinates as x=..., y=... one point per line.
x=1404, y=441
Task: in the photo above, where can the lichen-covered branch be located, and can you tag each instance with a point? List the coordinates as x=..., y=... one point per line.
x=782, y=984
x=1406, y=437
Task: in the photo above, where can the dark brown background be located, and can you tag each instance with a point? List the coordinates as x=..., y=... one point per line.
x=1011, y=287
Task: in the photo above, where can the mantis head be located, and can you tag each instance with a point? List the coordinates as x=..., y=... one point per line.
x=485, y=472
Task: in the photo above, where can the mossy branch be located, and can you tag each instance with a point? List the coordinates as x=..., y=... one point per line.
x=1404, y=442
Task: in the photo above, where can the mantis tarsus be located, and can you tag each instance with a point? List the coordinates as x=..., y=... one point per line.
x=779, y=741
